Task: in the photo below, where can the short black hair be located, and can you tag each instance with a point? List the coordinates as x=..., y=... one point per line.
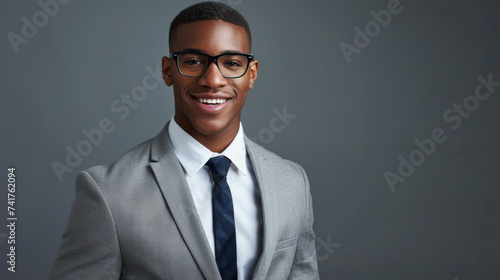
x=208, y=11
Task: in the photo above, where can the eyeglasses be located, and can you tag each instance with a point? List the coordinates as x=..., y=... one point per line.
x=195, y=64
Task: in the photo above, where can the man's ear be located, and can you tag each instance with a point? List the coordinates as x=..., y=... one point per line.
x=253, y=68
x=166, y=70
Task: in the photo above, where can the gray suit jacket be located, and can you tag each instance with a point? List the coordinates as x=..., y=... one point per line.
x=136, y=219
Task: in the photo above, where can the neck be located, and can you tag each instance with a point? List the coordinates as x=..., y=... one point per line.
x=215, y=143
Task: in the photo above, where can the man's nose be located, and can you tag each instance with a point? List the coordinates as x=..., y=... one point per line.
x=212, y=77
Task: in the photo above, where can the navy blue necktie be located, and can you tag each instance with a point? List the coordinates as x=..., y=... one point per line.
x=223, y=219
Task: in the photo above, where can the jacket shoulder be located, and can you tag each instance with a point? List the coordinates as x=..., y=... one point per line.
x=132, y=161
x=278, y=163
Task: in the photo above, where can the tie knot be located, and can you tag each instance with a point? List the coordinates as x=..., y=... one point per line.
x=218, y=166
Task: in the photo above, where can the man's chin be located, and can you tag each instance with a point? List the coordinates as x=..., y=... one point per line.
x=211, y=127
x=206, y=130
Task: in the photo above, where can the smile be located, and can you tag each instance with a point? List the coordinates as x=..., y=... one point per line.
x=215, y=101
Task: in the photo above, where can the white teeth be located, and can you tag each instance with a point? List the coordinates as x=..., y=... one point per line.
x=211, y=101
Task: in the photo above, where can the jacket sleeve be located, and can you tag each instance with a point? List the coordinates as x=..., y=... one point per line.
x=90, y=248
x=305, y=265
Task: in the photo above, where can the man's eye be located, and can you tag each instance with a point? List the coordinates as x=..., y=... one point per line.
x=193, y=61
x=232, y=64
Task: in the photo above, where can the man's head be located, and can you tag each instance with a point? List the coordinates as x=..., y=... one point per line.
x=209, y=94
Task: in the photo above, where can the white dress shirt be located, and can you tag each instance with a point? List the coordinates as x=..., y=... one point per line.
x=244, y=190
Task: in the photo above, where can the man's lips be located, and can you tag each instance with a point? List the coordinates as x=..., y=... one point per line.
x=210, y=100
x=211, y=104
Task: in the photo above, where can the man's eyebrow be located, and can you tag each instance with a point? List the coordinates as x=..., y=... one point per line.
x=230, y=51
x=192, y=50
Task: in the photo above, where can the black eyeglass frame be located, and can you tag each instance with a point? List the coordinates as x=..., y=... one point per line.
x=175, y=56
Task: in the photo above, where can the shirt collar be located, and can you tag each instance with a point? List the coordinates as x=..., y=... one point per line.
x=192, y=155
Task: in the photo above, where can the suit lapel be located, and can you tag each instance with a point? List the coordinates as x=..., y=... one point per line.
x=175, y=190
x=265, y=178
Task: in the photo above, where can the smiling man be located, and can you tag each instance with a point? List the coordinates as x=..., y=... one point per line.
x=200, y=200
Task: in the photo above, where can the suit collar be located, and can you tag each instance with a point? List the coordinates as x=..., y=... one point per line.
x=175, y=191
x=266, y=181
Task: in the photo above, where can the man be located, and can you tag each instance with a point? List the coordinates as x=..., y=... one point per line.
x=199, y=200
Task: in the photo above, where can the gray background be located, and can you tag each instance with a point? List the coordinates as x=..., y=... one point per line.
x=352, y=122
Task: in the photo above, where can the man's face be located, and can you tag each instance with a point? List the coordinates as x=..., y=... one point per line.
x=200, y=120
